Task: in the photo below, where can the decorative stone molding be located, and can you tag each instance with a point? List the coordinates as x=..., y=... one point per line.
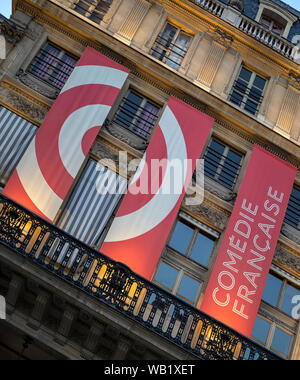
x=289, y=108
x=291, y=233
x=238, y=4
x=214, y=216
x=37, y=85
x=12, y=32
x=126, y=136
x=24, y=106
x=287, y=259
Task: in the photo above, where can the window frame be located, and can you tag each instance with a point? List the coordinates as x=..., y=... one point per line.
x=62, y=52
x=224, y=157
x=199, y=228
x=287, y=221
x=169, y=50
x=181, y=273
x=146, y=100
x=91, y=10
x=250, y=86
x=271, y=335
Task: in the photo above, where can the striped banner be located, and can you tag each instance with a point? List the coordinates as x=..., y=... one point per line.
x=92, y=203
x=47, y=170
x=16, y=134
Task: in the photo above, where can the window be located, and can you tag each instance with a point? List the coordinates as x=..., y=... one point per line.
x=53, y=65
x=171, y=46
x=137, y=114
x=178, y=282
x=292, y=216
x=92, y=203
x=279, y=293
x=16, y=134
x=192, y=242
x=272, y=25
x=248, y=90
x=95, y=10
x=222, y=163
x=272, y=337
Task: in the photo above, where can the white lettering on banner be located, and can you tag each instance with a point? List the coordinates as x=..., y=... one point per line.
x=238, y=243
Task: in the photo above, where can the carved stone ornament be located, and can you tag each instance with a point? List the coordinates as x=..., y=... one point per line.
x=238, y=4
x=222, y=37
x=294, y=80
x=12, y=32
x=126, y=136
x=291, y=233
x=287, y=259
x=214, y=216
x=37, y=85
x=24, y=106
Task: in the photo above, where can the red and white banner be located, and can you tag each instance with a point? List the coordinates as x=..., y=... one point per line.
x=238, y=279
x=52, y=161
x=145, y=218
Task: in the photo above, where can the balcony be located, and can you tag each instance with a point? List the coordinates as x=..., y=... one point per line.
x=249, y=26
x=118, y=287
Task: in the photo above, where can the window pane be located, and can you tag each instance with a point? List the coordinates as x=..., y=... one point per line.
x=281, y=342
x=287, y=305
x=202, y=249
x=292, y=216
x=259, y=82
x=272, y=290
x=129, y=109
x=178, y=51
x=188, y=288
x=181, y=238
x=166, y=275
x=261, y=330
x=230, y=169
x=245, y=74
x=213, y=158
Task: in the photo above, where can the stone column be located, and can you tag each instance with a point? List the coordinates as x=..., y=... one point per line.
x=221, y=42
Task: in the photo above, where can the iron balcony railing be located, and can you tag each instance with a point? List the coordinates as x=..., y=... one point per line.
x=164, y=50
x=94, y=10
x=221, y=168
x=292, y=216
x=137, y=119
x=248, y=98
x=117, y=286
x=52, y=69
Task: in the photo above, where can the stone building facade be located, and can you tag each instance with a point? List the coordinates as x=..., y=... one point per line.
x=212, y=47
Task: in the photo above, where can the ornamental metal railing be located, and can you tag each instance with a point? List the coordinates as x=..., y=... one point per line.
x=135, y=118
x=117, y=286
x=221, y=168
x=251, y=27
x=292, y=216
x=52, y=69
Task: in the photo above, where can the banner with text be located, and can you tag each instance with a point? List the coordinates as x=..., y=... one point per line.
x=47, y=170
x=237, y=282
x=148, y=211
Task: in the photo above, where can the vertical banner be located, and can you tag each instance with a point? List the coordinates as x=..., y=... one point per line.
x=238, y=279
x=144, y=221
x=47, y=170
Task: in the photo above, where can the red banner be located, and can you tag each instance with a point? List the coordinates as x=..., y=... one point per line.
x=144, y=221
x=238, y=279
x=53, y=159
